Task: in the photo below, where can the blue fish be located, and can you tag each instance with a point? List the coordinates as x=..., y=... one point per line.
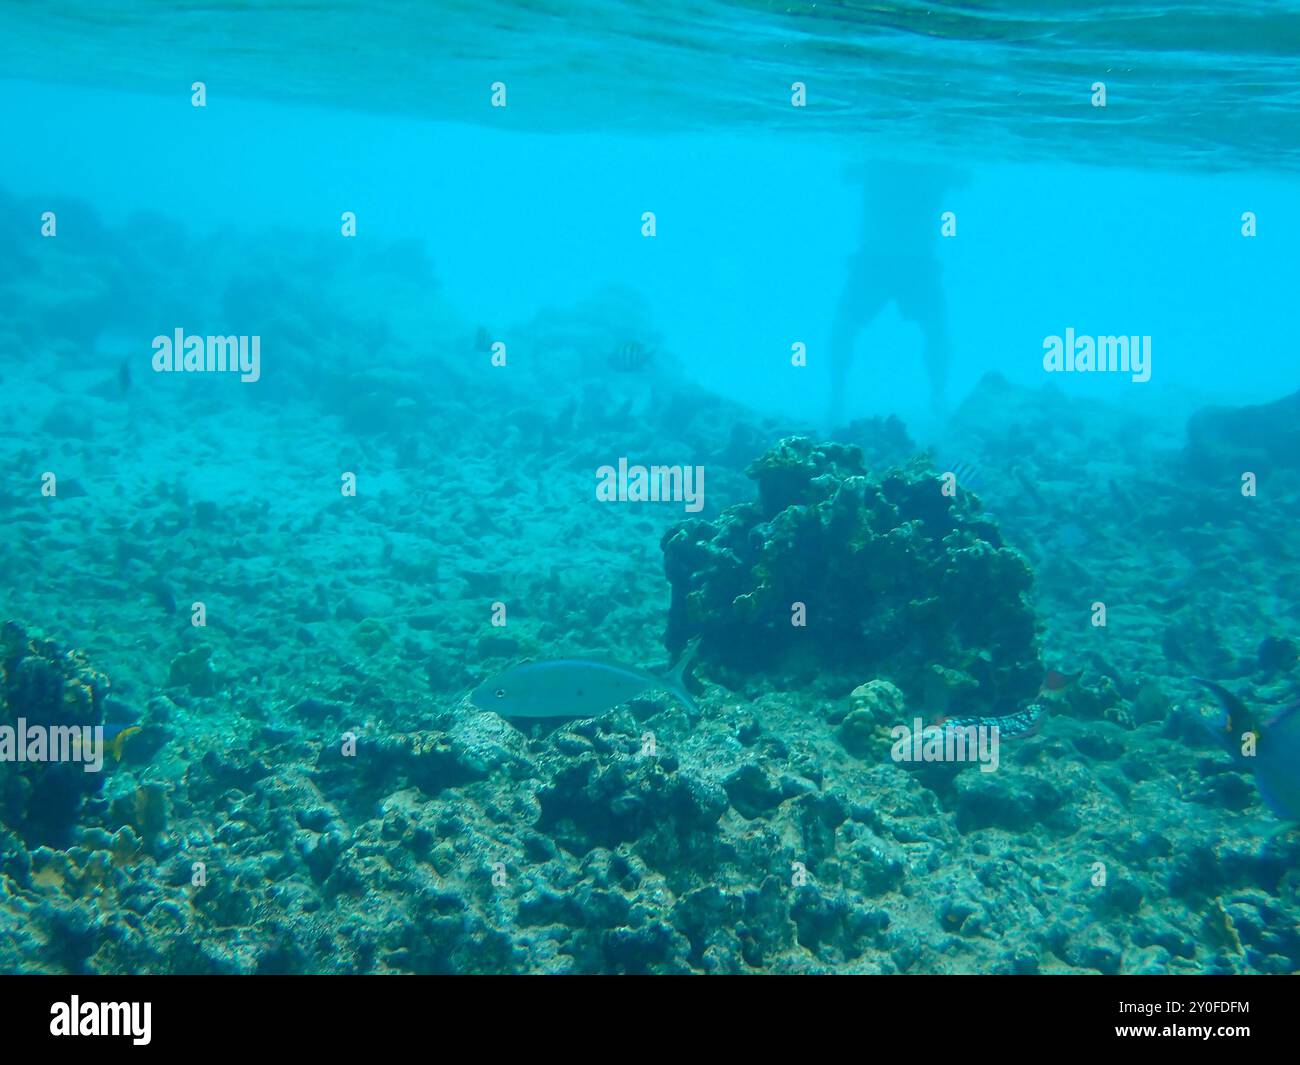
x=1276, y=762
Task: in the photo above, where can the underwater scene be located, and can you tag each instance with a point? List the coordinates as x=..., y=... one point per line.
x=721, y=487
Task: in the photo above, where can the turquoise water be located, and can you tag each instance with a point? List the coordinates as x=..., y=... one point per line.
x=488, y=260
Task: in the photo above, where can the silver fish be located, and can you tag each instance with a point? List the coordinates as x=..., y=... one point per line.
x=576, y=687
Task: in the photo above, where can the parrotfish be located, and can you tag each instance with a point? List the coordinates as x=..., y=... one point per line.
x=576, y=687
x=1276, y=761
x=1234, y=715
x=1023, y=723
x=1029, y=718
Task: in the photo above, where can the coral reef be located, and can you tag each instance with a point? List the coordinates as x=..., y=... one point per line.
x=895, y=577
x=309, y=794
x=751, y=842
x=44, y=686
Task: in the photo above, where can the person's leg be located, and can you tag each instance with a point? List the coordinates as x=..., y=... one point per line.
x=921, y=300
x=935, y=333
x=860, y=301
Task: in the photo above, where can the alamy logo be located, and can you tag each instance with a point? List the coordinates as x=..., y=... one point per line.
x=53, y=743
x=1083, y=354
x=653, y=484
x=196, y=354
x=946, y=743
x=102, y=1018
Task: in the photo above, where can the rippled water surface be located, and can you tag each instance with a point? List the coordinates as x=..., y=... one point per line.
x=1212, y=84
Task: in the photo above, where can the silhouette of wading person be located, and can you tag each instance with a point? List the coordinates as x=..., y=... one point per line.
x=897, y=261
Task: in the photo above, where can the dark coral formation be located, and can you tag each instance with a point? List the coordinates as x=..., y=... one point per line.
x=899, y=580
x=1224, y=442
x=44, y=686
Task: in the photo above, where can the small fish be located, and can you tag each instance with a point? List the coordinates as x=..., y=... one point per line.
x=965, y=475
x=1276, y=762
x=576, y=687
x=115, y=737
x=483, y=339
x=630, y=357
x=1055, y=683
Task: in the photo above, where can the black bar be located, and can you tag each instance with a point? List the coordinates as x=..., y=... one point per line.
x=337, y=1015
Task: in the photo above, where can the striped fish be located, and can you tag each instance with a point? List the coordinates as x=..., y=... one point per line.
x=967, y=477
x=630, y=357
